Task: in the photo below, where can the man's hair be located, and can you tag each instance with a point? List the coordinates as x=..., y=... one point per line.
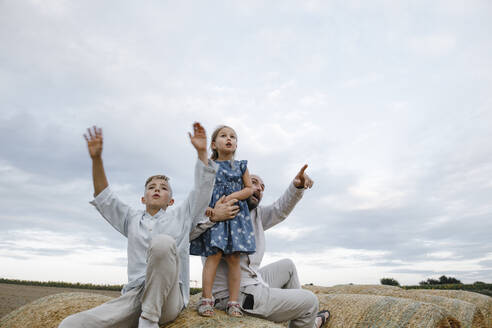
x=162, y=177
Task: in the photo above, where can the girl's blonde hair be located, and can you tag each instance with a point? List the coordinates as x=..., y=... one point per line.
x=215, y=154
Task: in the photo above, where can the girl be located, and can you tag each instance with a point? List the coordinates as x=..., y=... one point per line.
x=226, y=238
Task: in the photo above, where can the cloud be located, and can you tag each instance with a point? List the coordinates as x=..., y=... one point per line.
x=387, y=102
x=433, y=45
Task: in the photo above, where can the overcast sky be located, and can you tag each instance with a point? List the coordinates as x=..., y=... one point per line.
x=389, y=102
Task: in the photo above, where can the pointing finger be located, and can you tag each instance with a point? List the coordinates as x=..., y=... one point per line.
x=301, y=172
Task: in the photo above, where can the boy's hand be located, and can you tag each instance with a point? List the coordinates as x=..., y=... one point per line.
x=302, y=180
x=199, y=137
x=94, y=140
x=199, y=141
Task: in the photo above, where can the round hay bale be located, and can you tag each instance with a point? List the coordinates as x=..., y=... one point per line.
x=49, y=311
x=353, y=289
x=468, y=314
x=359, y=310
x=190, y=318
x=483, y=302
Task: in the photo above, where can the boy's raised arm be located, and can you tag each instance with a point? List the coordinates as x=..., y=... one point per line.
x=199, y=141
x=94, y=140
x=199, y=197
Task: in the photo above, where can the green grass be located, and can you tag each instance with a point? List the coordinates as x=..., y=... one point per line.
x=73, y=285
x=60, y=284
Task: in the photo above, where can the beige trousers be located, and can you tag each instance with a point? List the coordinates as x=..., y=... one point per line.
x=159, y=300
x=283, y=300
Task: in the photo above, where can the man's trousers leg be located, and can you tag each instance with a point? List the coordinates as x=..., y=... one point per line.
x=281, y=274
x=284, y=300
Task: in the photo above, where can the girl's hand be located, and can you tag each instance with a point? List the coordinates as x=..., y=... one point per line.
x=94, y=140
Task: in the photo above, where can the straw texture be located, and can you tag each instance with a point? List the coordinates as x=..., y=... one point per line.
x=483, y=302
x=350, y=306
x=49, y=311
x=353, y=289
x=190, y=318
x=468, y=314
x=357, y=310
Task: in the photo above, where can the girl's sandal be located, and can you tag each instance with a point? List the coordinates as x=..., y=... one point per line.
x=206, y=307
x=234, y=309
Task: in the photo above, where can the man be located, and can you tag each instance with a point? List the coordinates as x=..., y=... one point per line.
x=272, y=292
x=158, y=243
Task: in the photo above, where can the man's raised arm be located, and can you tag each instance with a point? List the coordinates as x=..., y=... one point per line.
x=280, y=209
x=94, y=140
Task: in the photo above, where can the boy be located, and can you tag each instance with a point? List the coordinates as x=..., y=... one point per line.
x=158, y=243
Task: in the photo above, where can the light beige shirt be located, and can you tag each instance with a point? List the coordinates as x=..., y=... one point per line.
x=139, y=226
x=263, y=218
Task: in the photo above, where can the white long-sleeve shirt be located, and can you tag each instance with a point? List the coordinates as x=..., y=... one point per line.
x=139, y=226
x=263, y=218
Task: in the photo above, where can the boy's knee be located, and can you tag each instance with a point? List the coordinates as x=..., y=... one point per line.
x=162, y=245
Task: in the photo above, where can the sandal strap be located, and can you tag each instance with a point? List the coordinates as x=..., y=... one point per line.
x=206, y=304
x=321, y=315
x=234, y=308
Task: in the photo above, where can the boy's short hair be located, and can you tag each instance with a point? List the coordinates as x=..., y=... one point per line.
x=163, y=177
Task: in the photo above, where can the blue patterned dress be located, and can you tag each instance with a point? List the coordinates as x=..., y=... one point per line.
x=235, y=235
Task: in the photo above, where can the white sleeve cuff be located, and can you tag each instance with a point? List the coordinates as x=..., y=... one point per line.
x=102, y=196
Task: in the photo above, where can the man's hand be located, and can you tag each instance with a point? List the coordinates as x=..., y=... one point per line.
x=224, y=210
x=302, y=180
x=94, y=140
x=199, y=141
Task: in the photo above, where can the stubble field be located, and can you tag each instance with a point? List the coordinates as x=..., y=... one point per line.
x=13, y=296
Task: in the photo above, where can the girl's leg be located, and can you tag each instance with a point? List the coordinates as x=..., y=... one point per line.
x=234, y=276
x=208, y=274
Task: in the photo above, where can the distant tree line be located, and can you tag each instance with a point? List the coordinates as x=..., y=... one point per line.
x=73, y=285
x=60, y=284
x=447, y=283
x=389, y=282
x=443, y=280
